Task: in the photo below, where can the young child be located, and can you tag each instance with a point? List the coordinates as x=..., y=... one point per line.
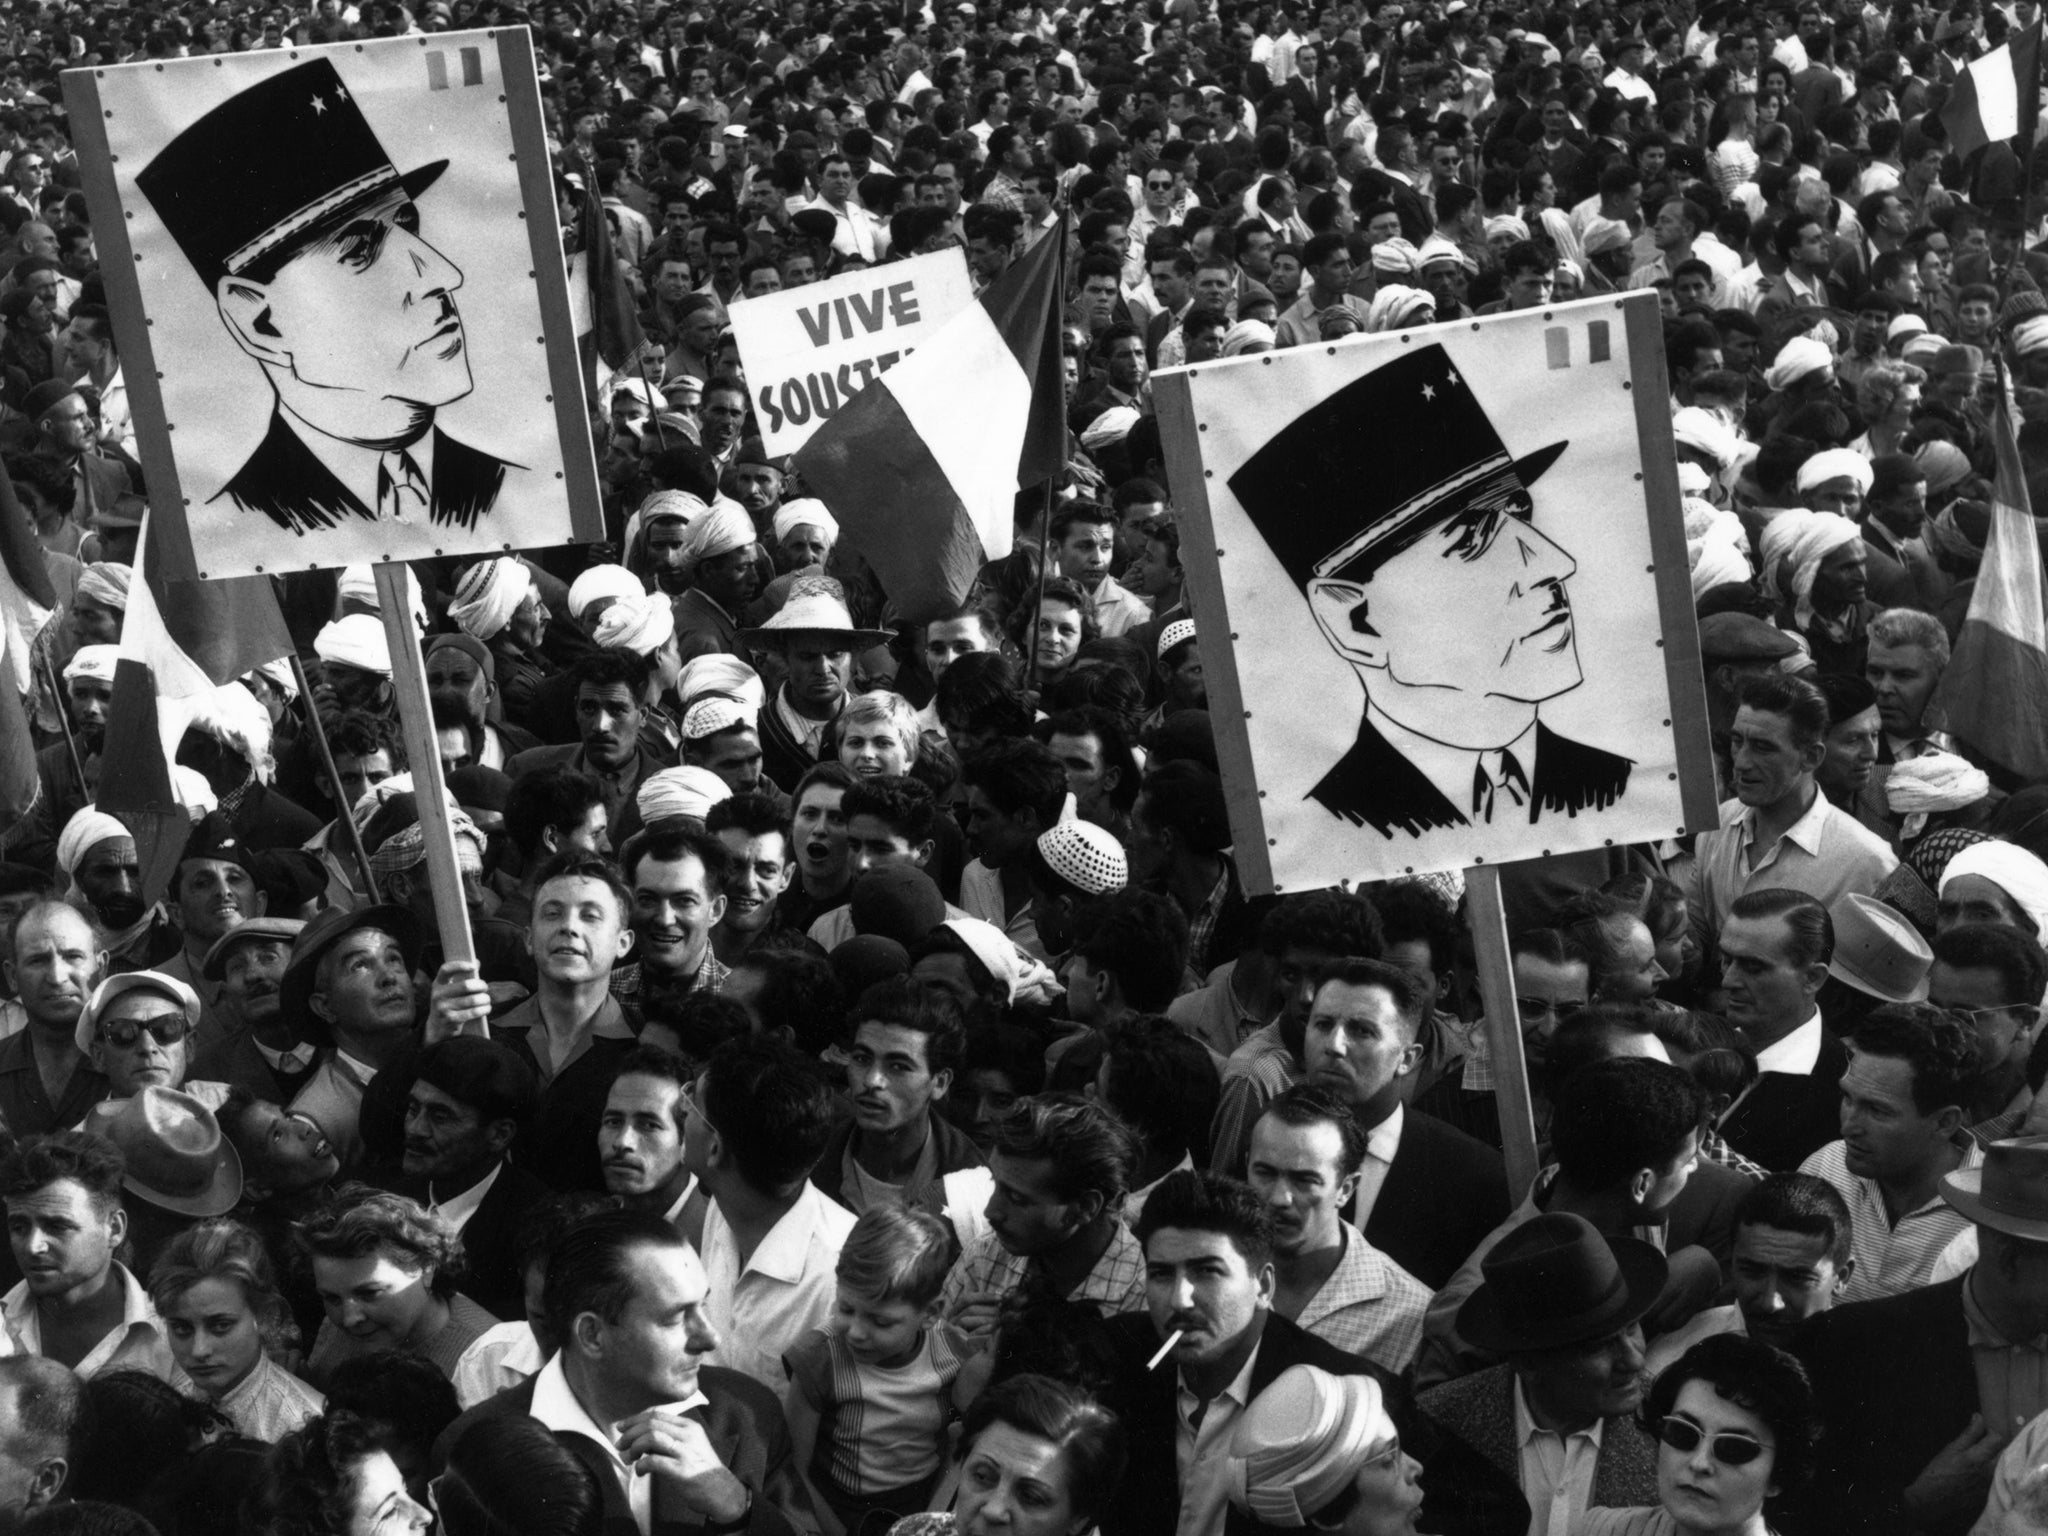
x=870, y=1397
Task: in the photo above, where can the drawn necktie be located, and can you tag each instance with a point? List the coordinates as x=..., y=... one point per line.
x=1484, y=785
x=401, y=488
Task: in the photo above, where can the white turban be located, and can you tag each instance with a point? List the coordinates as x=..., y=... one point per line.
x=1115, y=423
x=358, y=584
x=1704, y=432
x=356, y=640
x=1245, y=336
x=1022, y=978
x=602, y=581
x=1436, y=248
x=723, y=529
x=806, y=512
x=1795, y=542
x=1796, y=359
x=663, y=507
x=1692, y=480
x=2030, y=335
x=714, y=713
x=1507, y=224
x=642, y=625
x=1836, y=464
x=720, y=672
x=1398, y=305
x=1393, y=255
x=1298, y=1445
x=1715, y=546
x=106, y=584
x=1933, y=781
x=2013, y=870
x=193, y=792
x=488, y=594
x=85, y=831
x=683, y=791
x=279, y=673
x=95, y=662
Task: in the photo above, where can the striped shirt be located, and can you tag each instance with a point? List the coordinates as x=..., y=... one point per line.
x=1890, y=1259
x=881, y=1427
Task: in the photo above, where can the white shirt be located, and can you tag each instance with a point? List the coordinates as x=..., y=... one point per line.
x=1797, y=1054
x=459, y=1208
x=135, y=1343
x=785, y=1289
x=1381, y=1143
x=556, y=1405
x=501, y=1356
x=1557, y=1471
x=1203, y=1455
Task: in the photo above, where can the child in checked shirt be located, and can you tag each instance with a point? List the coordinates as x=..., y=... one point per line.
x=870, y=1397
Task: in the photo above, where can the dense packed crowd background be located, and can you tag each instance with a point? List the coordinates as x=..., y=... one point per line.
x=877, y=1105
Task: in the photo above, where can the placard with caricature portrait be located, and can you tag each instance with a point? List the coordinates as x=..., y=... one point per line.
x=1440, y=587
x=338, y=292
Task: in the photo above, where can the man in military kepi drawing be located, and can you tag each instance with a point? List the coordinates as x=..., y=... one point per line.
x=1396, y=509
x=307, y=235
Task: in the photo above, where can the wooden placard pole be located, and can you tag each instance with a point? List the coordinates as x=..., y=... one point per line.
x=347, y=818
x=1489, y=921
x=423, y=756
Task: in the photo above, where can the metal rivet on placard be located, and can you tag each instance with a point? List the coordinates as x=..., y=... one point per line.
x=1651, y=569
x=1660, y=642
x=1208, y=474
x=1247, y=714
x=1267, y=361
x=1628, y=384
x=1681, y=831
x=1201, y=426
x=1610, y=841
x=1672, y=776
x=1262, y=794
x=1478, y=858
x=501, y=100
x=1272, y=842
x=1546, y=853
x=1667, y=725
x=558, y=474
x=1639, y=474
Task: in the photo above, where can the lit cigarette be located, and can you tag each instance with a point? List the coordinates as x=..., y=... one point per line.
x=1165, y=1349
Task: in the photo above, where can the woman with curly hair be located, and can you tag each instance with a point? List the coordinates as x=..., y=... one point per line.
x=385, y=1268
x=1886, y=397
x=332, y=1478
x=217, y=1294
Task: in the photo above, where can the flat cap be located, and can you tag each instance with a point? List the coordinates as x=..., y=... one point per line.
x=1743, y=637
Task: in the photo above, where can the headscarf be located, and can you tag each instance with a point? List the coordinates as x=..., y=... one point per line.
x=1933, y=781
x=720, y=672
x=1929, y=857
x=685, y=791
x=1796, y=359
x=279, y=672
x=1705, y=432
x=1836, y=464
x=488, y=594
x=1299, y=1443
x=1946, y=535
x=95, y=662
x=642, y=625
x=1246, y=336
x=719, y=531
x=1715, y=546
x=806, y=512
x=1943, y=463
x=85, y=831
x=408, y=846
x=358, y=584
x=1398, y=305
x=1795, y=542
x=1394, y=255
x=714, y=713
x=612, y=581
x=2013, y=870
x=662, y=507
x=106, y=584
x=356, y=640
x=1507, y=224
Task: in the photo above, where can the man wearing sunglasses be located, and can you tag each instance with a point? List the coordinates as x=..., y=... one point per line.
x=1563, y=1303
x=138, y=1030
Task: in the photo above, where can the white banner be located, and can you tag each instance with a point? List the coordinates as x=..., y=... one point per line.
x=809, y=350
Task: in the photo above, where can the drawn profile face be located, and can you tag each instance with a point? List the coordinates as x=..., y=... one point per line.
x=368, y=312
x=1476, y=605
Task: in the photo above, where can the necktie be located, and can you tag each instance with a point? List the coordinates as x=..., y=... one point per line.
x=1484, y=785
x=401, y=488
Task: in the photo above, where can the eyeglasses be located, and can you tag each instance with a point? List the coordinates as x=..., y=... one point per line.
x=1159, y=186
x=164, y=1028
x=1729, y=1448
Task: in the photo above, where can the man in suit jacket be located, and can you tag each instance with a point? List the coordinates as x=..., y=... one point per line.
x=1208, y=1250
x=1427, y=575
x=637, y=1387
x=611, y=708
x=1564, y=1305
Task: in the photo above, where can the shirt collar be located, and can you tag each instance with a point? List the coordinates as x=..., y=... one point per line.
x=780, y=1255
x=1797, y=1054
x=1527, y=1429
x=361, y=1069
x=556, y=1405
x=1239, y=1391
x=1384, y=1139
x=459, y=1208
x=352, y=464
x=1807, y=831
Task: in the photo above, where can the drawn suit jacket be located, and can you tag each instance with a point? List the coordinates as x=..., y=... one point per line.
x=283, y=480
x=1374, y=785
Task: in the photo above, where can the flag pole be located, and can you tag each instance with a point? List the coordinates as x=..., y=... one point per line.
x=64, y=724
x=1059, y=299
x=347, y=817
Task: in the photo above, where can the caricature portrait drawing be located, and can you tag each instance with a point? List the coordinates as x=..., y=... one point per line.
x=324, y=269
x=1409, y=529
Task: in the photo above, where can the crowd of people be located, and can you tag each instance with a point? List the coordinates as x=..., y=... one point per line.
x=875, y=1106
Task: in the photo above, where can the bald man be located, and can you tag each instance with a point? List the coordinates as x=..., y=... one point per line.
x=46, y=1084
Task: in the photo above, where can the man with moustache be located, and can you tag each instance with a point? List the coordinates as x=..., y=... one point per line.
x=259, y=1050
x=640, y=1137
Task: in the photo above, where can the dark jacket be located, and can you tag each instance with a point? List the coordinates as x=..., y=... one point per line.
x=233, y=1059
x=1480, y=1411
x=492, y=1275
x=283, y=480
x=1788, y=1117
x=955, y=1151
x=1894, y=1383
x=1443, y=1194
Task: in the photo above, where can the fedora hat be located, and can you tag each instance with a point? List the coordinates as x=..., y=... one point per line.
x=269, y=171
x=322, y=934
x=173, y=1150
x=816, y=605
x=2008, y=1192
x=132, y=981
x=1368, y=470
x=1558, y=1280
x=1878, y=952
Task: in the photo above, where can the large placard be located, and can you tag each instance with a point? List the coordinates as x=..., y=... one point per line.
x=1441, y=585
x=338, y=293
x=809, y=350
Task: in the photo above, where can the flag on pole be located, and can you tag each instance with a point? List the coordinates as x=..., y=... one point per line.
x=922, y=468
x=179, y=641
x=607, y=325
x=27, y=600
x=1995, y=689
x=1997, y=97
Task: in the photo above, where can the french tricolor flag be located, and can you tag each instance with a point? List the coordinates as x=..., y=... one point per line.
x=922, y=468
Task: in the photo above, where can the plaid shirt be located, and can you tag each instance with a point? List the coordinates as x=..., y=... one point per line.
x=1890, y=1259
x=1116, y=1283
x=1714, y=1150
x=1370, y=1306
x=625, y=984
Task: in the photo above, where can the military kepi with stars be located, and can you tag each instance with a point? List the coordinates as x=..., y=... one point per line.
x=270, y=170
x=1367, y=471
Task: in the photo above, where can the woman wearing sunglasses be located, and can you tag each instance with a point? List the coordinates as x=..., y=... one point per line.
x=1735, y=1427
